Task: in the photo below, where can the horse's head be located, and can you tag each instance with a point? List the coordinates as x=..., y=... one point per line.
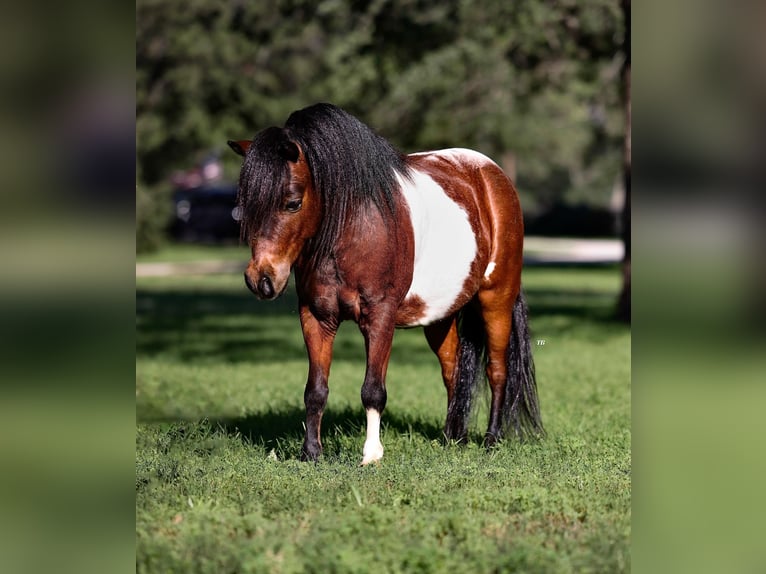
x=280, y=209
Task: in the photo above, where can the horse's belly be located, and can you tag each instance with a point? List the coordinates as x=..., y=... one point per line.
x=445, y=249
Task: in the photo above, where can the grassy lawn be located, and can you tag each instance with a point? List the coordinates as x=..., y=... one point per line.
x=219, y=405
x=185, y=252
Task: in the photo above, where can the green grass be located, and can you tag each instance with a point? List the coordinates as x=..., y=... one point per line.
x=183, y=252
x=219, y=403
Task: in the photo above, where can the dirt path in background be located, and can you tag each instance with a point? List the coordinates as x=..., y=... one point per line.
x=537, y=251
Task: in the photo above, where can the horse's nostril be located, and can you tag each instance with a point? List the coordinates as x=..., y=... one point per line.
x=266, y=287
x=250, y=283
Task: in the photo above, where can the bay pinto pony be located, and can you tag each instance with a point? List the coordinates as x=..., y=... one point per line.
x=430, y=239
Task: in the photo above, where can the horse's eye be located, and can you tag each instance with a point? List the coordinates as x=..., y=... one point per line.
x=293, y=205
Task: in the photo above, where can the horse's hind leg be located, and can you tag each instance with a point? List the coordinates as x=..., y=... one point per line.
x=443, y=339
x=497, y=311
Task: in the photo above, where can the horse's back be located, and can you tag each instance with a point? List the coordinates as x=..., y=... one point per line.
x=483, y=190
x=457, y=157
x=468, y=174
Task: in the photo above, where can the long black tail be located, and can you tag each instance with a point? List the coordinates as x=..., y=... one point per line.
x=521, y=411
x=470, y=369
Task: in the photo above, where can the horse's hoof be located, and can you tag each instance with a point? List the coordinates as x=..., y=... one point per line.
x=490, y=440
x=310, y=454
x=372, y=453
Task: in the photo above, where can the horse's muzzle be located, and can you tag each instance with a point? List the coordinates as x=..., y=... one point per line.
x=263, y=287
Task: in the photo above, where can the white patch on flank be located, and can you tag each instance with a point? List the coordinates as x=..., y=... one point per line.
x=445, y=246
x=490, y=269
x=373, y=449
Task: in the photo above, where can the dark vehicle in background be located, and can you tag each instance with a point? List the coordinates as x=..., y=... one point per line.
x=206, y=214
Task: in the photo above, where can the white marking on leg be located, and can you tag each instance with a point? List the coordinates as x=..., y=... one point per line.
x=490, y=269
x=445, y=246
x=373, y=449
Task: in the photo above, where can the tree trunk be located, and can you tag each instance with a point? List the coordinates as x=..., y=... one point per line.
x=623, y=303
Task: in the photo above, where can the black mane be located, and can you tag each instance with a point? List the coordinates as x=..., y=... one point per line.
x=351, y=167
x=264, y=174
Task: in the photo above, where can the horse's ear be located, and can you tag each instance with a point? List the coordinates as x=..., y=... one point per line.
x=240, y=147
x=289, y=150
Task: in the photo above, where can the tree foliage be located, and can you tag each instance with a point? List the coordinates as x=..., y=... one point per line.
x=530, y=82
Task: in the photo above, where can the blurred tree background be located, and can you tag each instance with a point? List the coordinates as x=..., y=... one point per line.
x=533, y=84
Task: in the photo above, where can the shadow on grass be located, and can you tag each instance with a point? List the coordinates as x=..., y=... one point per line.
x=270, y=427
x=235, y=327
x=225, y=325
x=581, y=304
x=232, y=326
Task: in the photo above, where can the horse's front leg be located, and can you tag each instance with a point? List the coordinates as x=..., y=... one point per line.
x=378, y=337
x=319, y=337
